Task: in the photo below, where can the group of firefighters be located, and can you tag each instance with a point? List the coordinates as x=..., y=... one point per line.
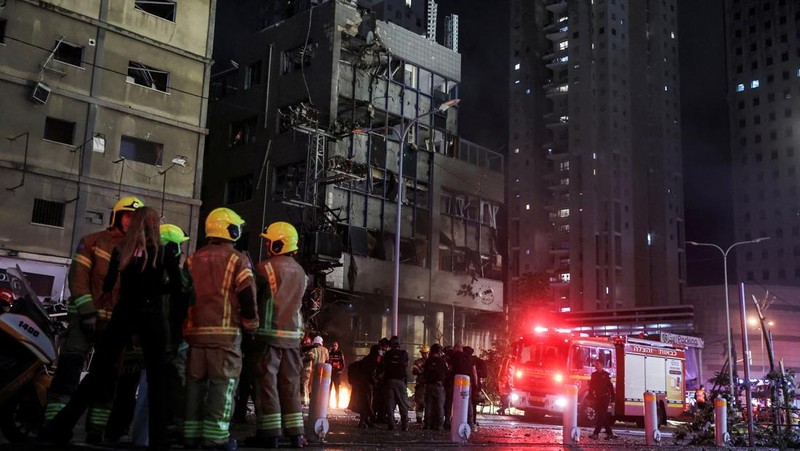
x=131, y=295
x=190, y=329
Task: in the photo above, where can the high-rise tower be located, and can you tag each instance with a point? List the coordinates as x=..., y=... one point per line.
x=595, y=177
x=763, y=56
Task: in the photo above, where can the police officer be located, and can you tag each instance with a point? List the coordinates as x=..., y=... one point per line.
x=223, y=305
x=395, y=367
x=89, y=313
x=419, y=382
x=434, y=373
x=282, y=283
x=602, y=391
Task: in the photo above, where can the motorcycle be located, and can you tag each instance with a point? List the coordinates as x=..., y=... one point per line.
x=28, y=344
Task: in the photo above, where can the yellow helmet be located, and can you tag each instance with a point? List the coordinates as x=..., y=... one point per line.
x=424, y=349
x=224, y=223
x=281, y=238
x=130, y=203
x=170, y=233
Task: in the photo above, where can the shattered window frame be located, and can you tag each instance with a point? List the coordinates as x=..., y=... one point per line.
x=141, y=150
x=59, y=131
x=239, y=189
x=68, y=53
x=242, y=132
x=466, y=233
x=296, y=58
x=163, y=9
x=149, y=77
x=252, y=75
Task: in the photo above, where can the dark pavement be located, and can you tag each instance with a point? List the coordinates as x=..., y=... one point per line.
x=494, y=431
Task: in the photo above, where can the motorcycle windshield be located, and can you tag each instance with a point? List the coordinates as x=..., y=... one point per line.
x=22, y=290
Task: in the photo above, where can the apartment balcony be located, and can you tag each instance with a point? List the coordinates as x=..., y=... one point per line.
x=557, y=91
x=556, y=153
x=558, y=34
x=557, y=64
x=557, y=7
x=560, y=248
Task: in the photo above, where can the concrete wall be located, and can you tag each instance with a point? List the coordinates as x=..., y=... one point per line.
x=96, y=97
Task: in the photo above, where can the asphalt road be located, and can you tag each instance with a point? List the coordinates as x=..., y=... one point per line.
x=494, y=431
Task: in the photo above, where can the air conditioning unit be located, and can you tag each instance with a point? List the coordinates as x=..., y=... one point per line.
x=41, y=93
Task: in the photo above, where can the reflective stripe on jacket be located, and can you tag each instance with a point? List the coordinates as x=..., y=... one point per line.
x=88, y=271
x=281, y=286
x=215, y=275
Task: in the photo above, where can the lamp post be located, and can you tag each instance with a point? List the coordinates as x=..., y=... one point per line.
x=404, y=128
x=727, y=306
x=757, y=325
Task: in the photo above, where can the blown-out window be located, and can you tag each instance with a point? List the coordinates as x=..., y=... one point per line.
x=147, y=76
x=164, y=9
x=136, y=149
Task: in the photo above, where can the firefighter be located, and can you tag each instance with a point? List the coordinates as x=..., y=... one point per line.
x=419, y=382
x=282, y=284
x=222, y=309
x=89, y=312
x=602, y=391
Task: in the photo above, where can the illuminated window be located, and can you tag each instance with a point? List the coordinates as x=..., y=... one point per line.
x=516, y=66
x=563, y=213
x=755, y=84
x=740, y=87
x=563, y=45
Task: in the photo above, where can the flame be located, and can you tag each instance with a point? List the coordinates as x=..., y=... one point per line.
x=344, y=398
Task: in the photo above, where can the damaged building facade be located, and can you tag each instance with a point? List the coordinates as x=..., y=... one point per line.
x=306, y=124
x=100, y=99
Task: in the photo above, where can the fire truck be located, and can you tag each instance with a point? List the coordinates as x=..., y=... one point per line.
x=538, y=365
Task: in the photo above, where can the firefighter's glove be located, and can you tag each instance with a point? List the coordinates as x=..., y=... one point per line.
x=88, y=326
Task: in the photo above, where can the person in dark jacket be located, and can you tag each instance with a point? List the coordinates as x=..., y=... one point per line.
x=395, y=374
x=141, y=263
x=361, y=376
x=338, y=364
x=602, y=391
x=434, y=373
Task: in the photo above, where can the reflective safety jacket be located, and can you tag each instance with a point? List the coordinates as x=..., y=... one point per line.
x=281, y=286
x=222, y=296
x=88, y=271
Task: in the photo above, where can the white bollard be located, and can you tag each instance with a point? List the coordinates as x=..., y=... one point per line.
x=721, y=436
x=317, y=425
x=571, y=432
x=651, y=433
x=459, y=426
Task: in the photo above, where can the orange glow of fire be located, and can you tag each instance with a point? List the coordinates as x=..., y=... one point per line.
x=344, y=398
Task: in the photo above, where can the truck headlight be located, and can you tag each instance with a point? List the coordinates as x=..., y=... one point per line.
x=561, y=402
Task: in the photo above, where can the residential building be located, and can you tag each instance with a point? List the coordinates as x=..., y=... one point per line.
x=595, y=188
x=101, y=99
x=763, y=65
x=308, y=130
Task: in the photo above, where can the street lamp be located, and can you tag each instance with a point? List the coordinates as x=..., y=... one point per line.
x=757, y=325
x=404, y=128
x=727, y=307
